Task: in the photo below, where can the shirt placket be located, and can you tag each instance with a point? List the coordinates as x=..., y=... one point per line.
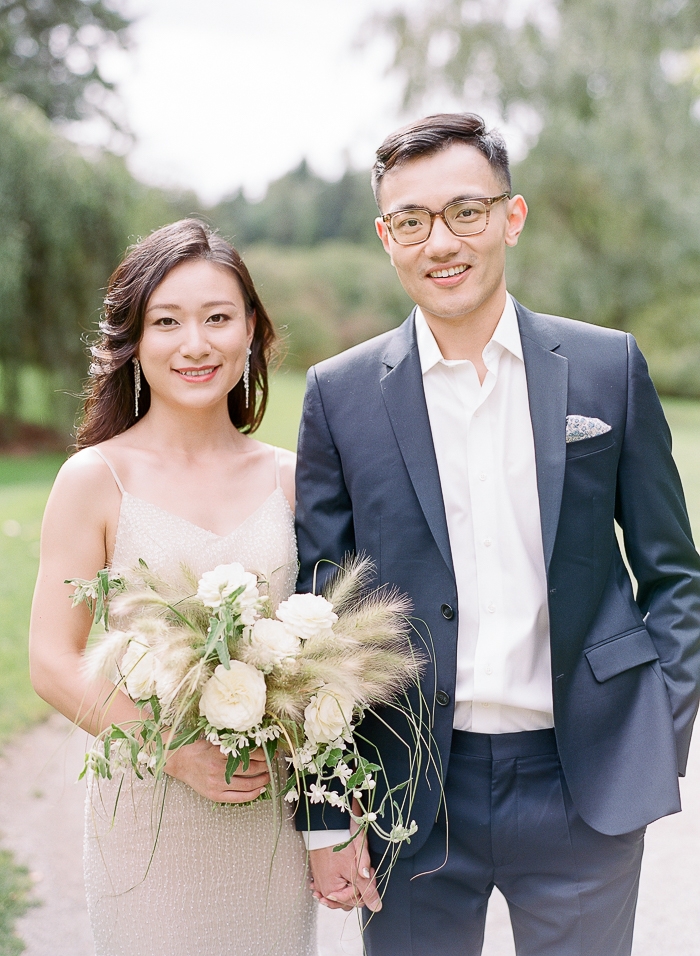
x=488, y=675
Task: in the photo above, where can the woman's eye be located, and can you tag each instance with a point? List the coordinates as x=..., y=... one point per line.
x=167, y=320
x=217, y=319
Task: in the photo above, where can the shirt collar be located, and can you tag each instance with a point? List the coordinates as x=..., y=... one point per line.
x=506, y=334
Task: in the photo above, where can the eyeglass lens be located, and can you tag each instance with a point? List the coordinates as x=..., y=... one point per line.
x=463, y=218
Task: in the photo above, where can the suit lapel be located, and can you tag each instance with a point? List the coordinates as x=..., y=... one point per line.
x=547, y=376
x=402, y=389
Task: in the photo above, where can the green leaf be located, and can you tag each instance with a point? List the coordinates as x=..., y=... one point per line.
x=232, y=765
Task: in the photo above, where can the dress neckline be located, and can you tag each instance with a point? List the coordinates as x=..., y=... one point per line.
x=191, y=524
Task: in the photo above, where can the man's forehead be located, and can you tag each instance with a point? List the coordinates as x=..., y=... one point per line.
x=456, y=172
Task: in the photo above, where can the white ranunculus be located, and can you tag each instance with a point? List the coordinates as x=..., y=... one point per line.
x=139, y=668
x=307, y=615
x=234, y=698
x=270, y=644
x=327, y=716
x=215, y=586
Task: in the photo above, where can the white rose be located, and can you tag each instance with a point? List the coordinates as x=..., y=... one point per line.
x=139, y=668
x=215, y=586
x=234, y=698
x=307, y=615
x=327, y=716
x=270, y=644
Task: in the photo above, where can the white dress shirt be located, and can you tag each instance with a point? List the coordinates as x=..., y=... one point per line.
x=485, y=453
x=482, y=434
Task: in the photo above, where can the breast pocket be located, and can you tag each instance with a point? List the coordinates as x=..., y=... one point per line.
x=589, y=446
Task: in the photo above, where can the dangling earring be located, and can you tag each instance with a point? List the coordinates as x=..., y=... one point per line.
x=246, y=377
x=137, y=384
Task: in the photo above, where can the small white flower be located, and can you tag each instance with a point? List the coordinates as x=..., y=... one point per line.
x=328, y=715
x=292, y=795
x=139, y=668
x=398, y=833
x=215, y=586
x=270, y=644
x=336, y=800
x=343, y=771
x=234, y=698
x=316, y=794
x=357, y=794
x=307, y=615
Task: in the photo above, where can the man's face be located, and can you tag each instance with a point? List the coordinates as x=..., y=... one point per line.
x=478, y=286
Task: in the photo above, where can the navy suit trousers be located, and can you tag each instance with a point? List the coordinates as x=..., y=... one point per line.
x=510, y=823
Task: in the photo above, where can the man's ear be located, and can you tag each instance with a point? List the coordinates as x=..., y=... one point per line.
x=517, y=214
x=383, y=233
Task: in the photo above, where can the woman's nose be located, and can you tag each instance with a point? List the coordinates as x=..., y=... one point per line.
x=195, y=343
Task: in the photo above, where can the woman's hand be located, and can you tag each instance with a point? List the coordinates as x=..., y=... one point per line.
x=202, y=766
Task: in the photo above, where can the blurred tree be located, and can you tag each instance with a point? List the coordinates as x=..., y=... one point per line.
x=302, y=209
x=64, y=224
x=611, y=176
x=325, y=299
x=49, y=52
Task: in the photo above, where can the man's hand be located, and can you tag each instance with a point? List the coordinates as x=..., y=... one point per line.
x=202, y=766
x=345, y=879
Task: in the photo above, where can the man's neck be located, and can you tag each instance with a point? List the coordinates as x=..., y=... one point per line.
x=466, y=337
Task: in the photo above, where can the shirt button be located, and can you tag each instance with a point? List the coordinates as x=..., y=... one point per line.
x=491, y=608
x=447, y=612
x=487, y=542
x=443, y=698
x=482, y=476
x=488, y=669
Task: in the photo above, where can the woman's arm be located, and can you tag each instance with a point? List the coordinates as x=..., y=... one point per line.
x=76, y=541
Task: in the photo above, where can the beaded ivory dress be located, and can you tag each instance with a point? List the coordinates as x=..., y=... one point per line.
x=224, y=880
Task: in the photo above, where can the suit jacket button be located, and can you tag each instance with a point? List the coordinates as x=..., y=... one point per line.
x=447, y=612
x=443, y=698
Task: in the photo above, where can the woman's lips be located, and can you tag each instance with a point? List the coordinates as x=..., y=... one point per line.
x=204, y=373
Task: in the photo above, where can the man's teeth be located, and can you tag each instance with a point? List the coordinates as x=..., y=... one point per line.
x=445, y=273
x=196, y=373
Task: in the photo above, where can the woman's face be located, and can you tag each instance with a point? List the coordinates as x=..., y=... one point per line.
x=195, y=335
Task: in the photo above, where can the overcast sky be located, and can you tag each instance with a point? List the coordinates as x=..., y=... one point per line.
x=229, y=93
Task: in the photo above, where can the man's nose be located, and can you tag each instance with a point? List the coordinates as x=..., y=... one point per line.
x=441, y=242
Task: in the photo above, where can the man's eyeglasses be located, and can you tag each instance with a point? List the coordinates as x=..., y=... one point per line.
x=466, y=217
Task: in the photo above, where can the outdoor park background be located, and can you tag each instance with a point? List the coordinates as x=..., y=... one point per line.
x=600, y=97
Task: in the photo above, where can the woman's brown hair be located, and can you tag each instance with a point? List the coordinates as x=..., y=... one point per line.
x=109, y=403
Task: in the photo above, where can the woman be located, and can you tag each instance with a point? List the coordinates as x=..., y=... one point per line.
x=167, y=472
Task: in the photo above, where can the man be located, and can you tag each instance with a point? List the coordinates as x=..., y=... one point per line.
x=481, y=455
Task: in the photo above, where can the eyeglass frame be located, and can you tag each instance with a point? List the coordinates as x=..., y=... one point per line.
x=488, y=201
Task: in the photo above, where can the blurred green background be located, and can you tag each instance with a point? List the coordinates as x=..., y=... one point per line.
x=605, y=95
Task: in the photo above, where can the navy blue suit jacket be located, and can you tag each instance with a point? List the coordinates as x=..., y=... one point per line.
x=625, y=666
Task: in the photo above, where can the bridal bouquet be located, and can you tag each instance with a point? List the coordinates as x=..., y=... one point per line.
x=209, y=658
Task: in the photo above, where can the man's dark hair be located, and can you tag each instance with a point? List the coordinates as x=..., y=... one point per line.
x=434, y=133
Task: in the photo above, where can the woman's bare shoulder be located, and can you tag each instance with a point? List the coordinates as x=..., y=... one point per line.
x=84, y=478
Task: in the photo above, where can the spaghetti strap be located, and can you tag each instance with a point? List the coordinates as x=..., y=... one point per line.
x=277, y=467
x=120, y=486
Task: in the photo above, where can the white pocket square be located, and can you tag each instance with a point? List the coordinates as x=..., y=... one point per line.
x=579, y=427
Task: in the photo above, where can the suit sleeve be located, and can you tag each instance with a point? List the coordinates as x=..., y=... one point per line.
x=323, y=509
x=652, y=513
x=324, y=533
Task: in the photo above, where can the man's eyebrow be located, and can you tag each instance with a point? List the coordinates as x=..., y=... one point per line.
x=419, y=205
x=174, y=307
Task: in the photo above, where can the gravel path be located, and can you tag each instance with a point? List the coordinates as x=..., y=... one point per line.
x=41, y=820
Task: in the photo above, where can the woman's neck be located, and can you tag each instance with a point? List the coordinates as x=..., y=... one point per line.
x=188, y=432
